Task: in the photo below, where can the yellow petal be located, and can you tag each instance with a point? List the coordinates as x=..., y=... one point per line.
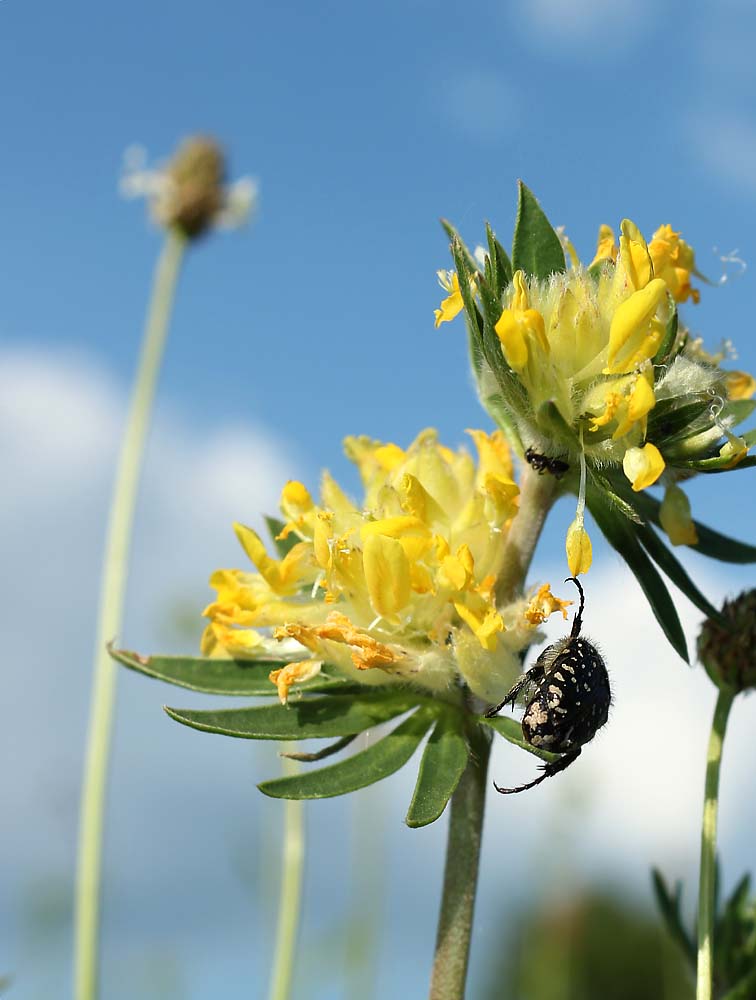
x=482, y=618
x=452, y=305
x=544, y=604
x=740, y=385
x=387, y=575
x=643, y=466
x=675, y=517
x=293, y=673
x=606, y=246
x=633, y=334
x=512, y=336
x=285, y=576
x=579, y=548
x=634, y=255
x=494, y=456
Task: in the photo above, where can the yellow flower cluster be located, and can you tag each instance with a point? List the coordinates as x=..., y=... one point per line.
x=398, y=588
x=586, y=342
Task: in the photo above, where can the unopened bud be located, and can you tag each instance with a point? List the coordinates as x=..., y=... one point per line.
x=727, y=646
x=193, y=195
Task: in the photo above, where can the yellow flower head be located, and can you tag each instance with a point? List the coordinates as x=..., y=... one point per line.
x=398, y=587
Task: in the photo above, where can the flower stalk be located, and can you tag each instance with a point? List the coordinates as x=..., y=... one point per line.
x=538, y=493
x=110, y=615
x=707, y=874
x=461, y=877
x=290, y=897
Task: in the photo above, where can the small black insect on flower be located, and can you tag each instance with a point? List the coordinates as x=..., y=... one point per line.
x=542, y=463
x=570, y=703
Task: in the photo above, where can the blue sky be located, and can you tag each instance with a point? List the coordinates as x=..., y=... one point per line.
x=363, y=125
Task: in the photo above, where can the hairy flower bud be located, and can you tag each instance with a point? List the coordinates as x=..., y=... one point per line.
x=193, y=195
x=727, y=647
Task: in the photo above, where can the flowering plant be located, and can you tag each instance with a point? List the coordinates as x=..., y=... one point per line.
x=411, y=607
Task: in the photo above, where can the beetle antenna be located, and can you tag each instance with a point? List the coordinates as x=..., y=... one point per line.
x=577, y=621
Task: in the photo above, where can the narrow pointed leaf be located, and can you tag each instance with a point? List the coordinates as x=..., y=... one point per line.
x=247, y=678
x=444, y=759
x=668, y=340
x=669, y=905
x=669, y=564
x=622, y=536
x=373, y=764
x=454, y=237
x=511, y=730
x=500, y=262
x=536, y=248
x=339, y=715
x=710, y=542
x=328, y=751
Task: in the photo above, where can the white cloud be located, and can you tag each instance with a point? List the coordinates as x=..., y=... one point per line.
x=568, y=27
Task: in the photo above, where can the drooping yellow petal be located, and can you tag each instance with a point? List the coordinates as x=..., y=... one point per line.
x=544, y=604
x=643, y=466
x=482, y=618
x=293, y=673
x=494, y=455
x=452, y=305
x=635, y=331
x=579, y=548
x=676, y=519
x=387, y=574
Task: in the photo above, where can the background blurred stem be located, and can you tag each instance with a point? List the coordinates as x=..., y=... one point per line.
x=112, y=591
x=537, y=494
x=291, y=891
x=707, y=875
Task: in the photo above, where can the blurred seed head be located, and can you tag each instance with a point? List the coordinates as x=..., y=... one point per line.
x=727, y=647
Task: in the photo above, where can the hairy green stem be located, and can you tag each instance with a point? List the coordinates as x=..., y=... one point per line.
x=461, y=876
x=707, y=874
x=290, y=896
x=537, y=494
x=112, y=590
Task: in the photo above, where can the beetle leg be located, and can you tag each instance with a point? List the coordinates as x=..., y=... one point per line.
x=549, y=770
x=531, y=677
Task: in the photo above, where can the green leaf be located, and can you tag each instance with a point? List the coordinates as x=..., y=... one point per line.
x=248, y=678
x=622, y=536
x=511, y=730
x=443, y=761
x=669, y=564
x=378, y=761
x=536, y=248
x=329, y=751
x=283, y=545
x=672, y=419
x=338, y=715
x=710, y=543
x=669, y=905
x=744, y=989
x=500, y=262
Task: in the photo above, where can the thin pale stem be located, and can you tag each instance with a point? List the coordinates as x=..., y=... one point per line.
x=707, y=875
x=290, y=898
x=112, y=590
x=461, y=877
x=537, y=494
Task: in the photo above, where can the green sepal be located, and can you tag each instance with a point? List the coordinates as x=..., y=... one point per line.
x=454, y=237
x=511, y=730
x=441, y=766
x=247, y=678
x=622, y=536
x=669, y=906
x=710, y=543
x=673, y=419
x=551, y=422
x=283, y=545
x=673, y=568
x=536, y=248
x=310, y=718
x=378, y=761
x=501, y=265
